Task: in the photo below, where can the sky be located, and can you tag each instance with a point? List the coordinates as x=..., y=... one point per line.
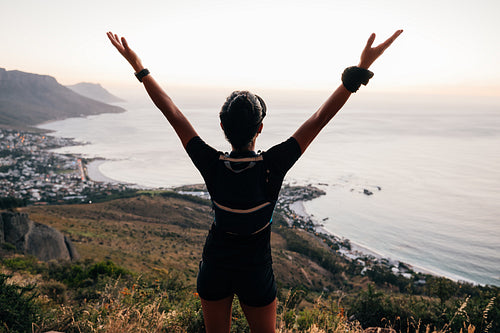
x=448, y=46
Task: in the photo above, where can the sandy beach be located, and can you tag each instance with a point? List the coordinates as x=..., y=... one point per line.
x=95, y=174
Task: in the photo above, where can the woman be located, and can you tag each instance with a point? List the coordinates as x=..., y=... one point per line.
x=244, y=187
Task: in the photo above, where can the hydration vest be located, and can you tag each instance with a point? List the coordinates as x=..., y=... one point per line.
x=241, y=198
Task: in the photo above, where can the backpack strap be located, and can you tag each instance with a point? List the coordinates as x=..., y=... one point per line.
x=228, y=165
x=237, y=165
x=242, y=159
x=241, y=211
x=227, y=162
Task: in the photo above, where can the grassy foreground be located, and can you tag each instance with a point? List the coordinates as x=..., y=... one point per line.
x=138, y=269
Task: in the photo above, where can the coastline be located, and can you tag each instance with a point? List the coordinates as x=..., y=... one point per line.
x=34, y=174
x=95, y=174
x=354, y=252
x=356, y=248
x=359, y=251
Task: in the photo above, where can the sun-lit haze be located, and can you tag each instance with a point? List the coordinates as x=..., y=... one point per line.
x=447, y=46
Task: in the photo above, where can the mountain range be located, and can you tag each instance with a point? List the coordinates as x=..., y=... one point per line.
x=28, y=99
x=94, y=91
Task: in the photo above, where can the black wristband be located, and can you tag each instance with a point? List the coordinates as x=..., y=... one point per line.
x=353, y=77
x=142, y=73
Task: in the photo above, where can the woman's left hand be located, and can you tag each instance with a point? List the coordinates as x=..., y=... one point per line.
x=370, y=54
x=122, y=46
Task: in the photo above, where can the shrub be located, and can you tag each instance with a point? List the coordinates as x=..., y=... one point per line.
x=19, y=309
x=24, y=263
x=85, y=274
x=56, y=291
x=8, y=246
x=11, y=202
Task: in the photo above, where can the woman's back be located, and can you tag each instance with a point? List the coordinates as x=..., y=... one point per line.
x=244, y=188
x=237, y=255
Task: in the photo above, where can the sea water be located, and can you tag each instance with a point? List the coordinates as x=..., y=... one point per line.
x=433, y=171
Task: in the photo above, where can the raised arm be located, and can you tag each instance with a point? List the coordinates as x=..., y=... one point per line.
x=175, y=117
x=312, y=126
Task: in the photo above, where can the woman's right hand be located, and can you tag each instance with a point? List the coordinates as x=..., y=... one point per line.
x=370, y=54
x=122, y=46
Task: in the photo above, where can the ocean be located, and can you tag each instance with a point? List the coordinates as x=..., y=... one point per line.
x=432, y=166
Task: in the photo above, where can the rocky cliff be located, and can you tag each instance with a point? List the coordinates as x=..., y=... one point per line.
x=40, y=240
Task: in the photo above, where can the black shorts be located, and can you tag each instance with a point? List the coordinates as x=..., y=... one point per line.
x=254, y=287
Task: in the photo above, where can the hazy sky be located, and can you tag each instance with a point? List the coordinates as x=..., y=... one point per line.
x=447, y=46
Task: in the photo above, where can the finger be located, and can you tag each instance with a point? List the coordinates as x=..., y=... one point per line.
x=391, y=39
x=112, y=39
x=370, y=41
x=124, y=42
x=116, y=42
x=395, y=35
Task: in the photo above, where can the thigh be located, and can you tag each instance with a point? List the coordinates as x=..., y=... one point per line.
x=217, y=315
x=261, y=319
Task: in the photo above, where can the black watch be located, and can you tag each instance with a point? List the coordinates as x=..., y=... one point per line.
x=141, y=74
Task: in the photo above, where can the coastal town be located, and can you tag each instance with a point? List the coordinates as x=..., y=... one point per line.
x=31, y=173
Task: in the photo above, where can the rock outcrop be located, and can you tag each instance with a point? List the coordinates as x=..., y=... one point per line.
x=39, y=240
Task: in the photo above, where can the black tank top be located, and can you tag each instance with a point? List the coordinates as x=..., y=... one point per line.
x=241, y=198
x=244, y=189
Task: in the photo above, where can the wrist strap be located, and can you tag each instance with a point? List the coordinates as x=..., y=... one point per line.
x=141, y=74
x=353, y=77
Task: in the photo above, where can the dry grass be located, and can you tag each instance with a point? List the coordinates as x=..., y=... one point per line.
x=143, y=233
x=149, y=306
x=152, y=233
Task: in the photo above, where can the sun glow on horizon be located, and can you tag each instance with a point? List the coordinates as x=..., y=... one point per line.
x=446, y=47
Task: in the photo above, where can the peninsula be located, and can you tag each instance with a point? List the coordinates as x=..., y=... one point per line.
x=28, y=99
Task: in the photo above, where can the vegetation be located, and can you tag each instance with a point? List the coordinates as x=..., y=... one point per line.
x=11, y=202
x=19, y=308
x=139, y=264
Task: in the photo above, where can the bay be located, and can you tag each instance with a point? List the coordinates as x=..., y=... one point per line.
x=434, y=173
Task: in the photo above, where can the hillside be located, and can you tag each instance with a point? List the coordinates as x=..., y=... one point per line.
x=29, y=99
x=94, y=91
x=147, y=232
x=140, y=257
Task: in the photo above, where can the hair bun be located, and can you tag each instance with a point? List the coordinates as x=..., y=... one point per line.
x=240, y=100
x=241, y=115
